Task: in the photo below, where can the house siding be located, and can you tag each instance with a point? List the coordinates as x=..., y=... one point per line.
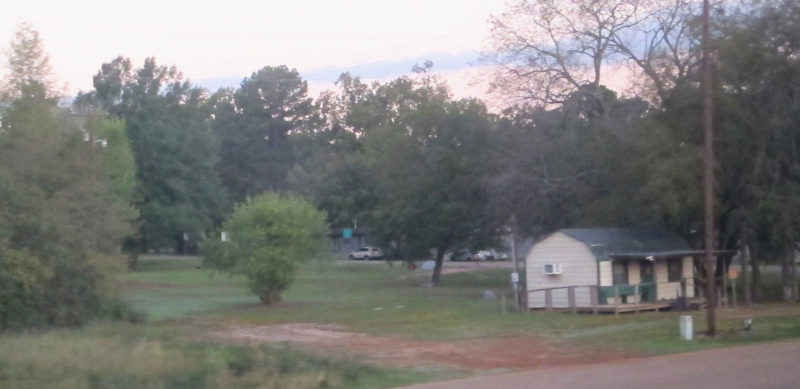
x=634, y=273
x=669, y=290
x=688, y=274
x=578, y=265
x=606, y=274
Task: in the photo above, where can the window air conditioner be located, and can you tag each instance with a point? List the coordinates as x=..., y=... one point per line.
x=552, y=268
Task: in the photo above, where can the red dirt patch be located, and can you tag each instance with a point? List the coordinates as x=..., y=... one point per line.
x=514, y=352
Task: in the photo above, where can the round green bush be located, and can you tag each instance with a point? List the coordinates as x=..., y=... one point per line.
x=269, y=236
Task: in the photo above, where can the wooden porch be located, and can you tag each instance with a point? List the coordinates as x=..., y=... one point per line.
x=594, y=306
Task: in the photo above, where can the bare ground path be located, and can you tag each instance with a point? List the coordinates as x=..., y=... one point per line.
x=521, y=352
x=763, y=366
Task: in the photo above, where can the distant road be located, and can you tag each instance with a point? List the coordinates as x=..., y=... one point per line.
x=769, y=365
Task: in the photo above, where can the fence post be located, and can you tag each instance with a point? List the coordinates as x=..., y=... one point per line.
x=571, y=298
x=595, y=296
x=636, y=298
x=548, y=299
x=616, y=299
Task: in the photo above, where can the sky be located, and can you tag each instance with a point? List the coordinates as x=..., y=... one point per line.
x=218, y=43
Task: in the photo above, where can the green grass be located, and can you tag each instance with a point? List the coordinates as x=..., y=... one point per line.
x=391, y=300
x=124, y=356
x=169, y=288
x=384, y=300
x=182, y=300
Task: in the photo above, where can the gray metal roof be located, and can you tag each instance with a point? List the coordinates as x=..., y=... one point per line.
x=606, y=243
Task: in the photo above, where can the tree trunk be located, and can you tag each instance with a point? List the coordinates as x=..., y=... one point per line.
x=133, y=260
x=437, y=270
x=755, y=287
x=794, y=277
x=786, y=276
x=746, y=284
x=519, y=268
x=180, y=244
x=133, y=249
x=269, y=296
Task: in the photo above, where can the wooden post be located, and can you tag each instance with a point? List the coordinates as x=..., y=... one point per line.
x=616, y=299
x=548, y=299
x=748, y=295
x=709, y=261
x=571, y=298
x=636, y=298
x=724, y=284
x=683, y=287
x=594, y=292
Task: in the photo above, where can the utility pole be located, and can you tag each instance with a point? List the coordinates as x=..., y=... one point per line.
x=517, y=285
x=708, y=176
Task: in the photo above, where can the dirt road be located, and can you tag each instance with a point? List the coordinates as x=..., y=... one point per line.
x=772, y=365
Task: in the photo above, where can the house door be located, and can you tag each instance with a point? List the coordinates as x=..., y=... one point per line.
x=648, y=287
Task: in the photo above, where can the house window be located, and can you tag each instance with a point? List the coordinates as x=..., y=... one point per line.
x=674, y=269
x=620, y=272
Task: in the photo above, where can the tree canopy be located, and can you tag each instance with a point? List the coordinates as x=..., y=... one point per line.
x=167, y=119
x=424, y=173
x=63, y=203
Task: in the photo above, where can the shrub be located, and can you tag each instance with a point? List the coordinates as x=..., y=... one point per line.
x=270, y=235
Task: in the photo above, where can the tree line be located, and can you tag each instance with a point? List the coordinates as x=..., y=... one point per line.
x=149, y=159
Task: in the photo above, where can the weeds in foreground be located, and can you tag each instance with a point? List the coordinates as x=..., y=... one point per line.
x=126, y=356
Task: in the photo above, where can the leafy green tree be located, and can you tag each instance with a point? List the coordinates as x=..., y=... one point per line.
x=167, y=120
x=427, y=160
x=569, y=165
x=331, y=168
x=111, y=136
x=760, y=176
x=58, y=215
x=254, y=124
x=270, y=236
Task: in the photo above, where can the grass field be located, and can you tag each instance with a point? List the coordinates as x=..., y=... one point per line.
x=391, y=300
x=181, y=299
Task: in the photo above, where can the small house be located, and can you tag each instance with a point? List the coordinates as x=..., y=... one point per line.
x=587, y=268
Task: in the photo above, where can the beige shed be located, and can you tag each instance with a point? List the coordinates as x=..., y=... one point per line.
x=587, y=268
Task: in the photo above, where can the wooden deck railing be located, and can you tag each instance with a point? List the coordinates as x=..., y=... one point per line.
x=548, y=296
x=618, y=291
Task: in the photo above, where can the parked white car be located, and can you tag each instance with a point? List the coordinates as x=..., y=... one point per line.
x=366, y=253
x=483, y=255
x=469, y=255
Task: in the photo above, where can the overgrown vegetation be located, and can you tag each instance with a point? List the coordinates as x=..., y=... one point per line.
x=123, y=356
x=64, y=201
